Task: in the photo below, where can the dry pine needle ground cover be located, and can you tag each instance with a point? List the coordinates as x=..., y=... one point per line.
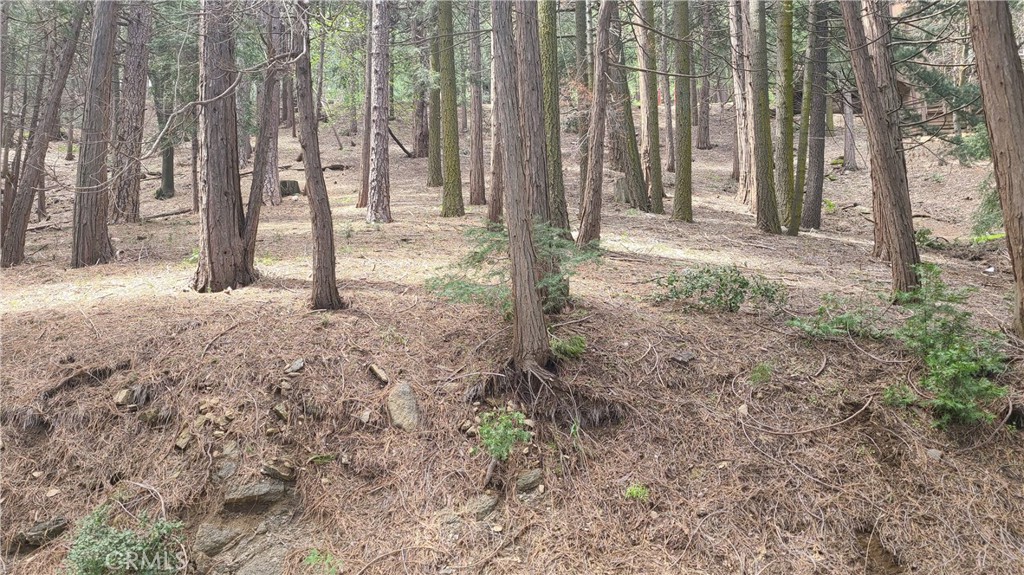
x=805, y=471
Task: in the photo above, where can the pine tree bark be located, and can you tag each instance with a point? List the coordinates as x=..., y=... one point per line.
x=364, y=187
x=667, y=58
x=325, y=288
x=849, y=141
x=784, y=115
x=590, y=212
x=627, y=147
x=651, y=149
x=530, y=347
x=477, y=195
x=222, y=258
x=90, y=243
x=128, y=143
x=876, y=85
x=379, y=208
x=494, y=207
x=12, y=252
x=266, y=185
x=1002, y=83
x=163, y=105
x=766, y=209
x=557, y=208
x=435, y=173
x=421, y=113
x=583, y=93
x=451, y=201
x=531, y=87
x=682, y=204
x=704, y=99
x=812, y=114
x=737, y=42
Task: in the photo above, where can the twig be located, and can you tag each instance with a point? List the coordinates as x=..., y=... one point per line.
x=168, y=214
x=813, y=429
x=216, y=337
x=390, y=553
x=493, y=554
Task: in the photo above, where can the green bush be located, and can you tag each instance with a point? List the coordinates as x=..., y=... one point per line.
x=899, y=396
x=837, y=317
x=721, y=288
x=925, y=239
x=638, y=492
x=101, y=549
x=322, y=562
x=500, y=431
x=972, y=146
x=483, y=276
x=761, y=373
x=571, y=347
x=988, y=217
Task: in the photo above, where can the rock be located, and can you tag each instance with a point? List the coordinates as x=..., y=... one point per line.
x=934, y=454
x=181, y=442
x=53, y=492
x=154, y=417
x=529, y=480
x=380, y=374
x=279, y=468
x=269, y=561
x=41, y=533
x=290, y=188
x=131, y=397
x=123, y=397
x=281, y=411
x=296, y=366
x=257, y=494
x=684, y=357
x=212, y=539
x=466, y=425
x=363, y=416
x=225, y=469
x=209, y=404
x=403, y=408
x=482, y=505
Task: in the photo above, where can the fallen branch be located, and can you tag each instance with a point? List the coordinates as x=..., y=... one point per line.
x=395, y=138
x=168, y=214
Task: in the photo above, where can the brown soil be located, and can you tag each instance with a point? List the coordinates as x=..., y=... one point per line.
x=807, y=472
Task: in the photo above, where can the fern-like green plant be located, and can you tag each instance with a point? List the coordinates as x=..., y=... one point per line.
x=501, y=431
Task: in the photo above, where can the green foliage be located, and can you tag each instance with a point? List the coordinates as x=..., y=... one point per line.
x=571, y=347
x=924, y=238
x=899, y=395
x=761, y=374
x=836, y=317
x=830, y=206
x=101, y=549
x=721, y=288
x=500, y=431
x=483, y=276
x=972, y=146
x=958, y=357
x=638, y=492
x=322, y=562
x=989, y=215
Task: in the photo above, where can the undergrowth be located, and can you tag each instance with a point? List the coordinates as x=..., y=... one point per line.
x=501, y=431
x=99, y=548
x=721, y=288
x=483, y=276
x=959, y=359
x=988, y=217
x=568, y=348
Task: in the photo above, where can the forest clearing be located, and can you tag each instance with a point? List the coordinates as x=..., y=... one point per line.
x=373, y=382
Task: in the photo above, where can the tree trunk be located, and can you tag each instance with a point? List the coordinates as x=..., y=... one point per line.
x=810, y=172
x=128, y=144
x=737, y=42
x=557, y=208
x=164, y=106
x=682, y=204
x=451, y=202
x=877, y=88
x=584, y=82
x=325, y=289
x=33, y=124
x=222, y=257
x=194, y=164
x=364, y=187
x=666, y=88
x=704, y=100
x=90, y=243
x=635, y=186
x=322, y=41
x=1002, y=83
x=531, y=87
x=766, y=209
x=590, y=214
x=784, y=115
x=849, y=143
x=243, y=93
x=265, y=177
x=651, y=150
x=530, y=348
x=435, y=174
x=421, y=115
x=477, y=195
x=379, y=206
x=13, y=250
x=494, y=208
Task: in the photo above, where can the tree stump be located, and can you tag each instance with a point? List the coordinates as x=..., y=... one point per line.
x=290, y=188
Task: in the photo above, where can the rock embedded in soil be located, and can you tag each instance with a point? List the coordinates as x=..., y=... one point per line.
x=482, y=505
x=256, y=494
x=296, y=366
x=380, y=374
x=211, y=539
x=279, y=468
x=529, y=480
x=41, y=533
x=403, y=407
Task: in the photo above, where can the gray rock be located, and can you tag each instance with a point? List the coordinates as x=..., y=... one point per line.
x=40, y=533
x=934, y=454
x=211, y=539
x=403, y=408
x=529, y=480
x=279, y=468
x=296, y=366
x=257, y=494
x=269, y=561
x=225, y=469
x=482, y=505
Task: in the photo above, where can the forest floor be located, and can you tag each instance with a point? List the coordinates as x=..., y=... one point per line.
x=762, y=451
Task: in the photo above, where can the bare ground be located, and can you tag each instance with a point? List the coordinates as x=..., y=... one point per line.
x=807, y=472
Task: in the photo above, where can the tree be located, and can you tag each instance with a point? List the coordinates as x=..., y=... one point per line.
x=451, y=202
x=666, y=88
x=622, y=140
x=531, y=350
x=784, y=114
x=649, y=103
x=379, y=208
x=265, y=178
x=128, y=143
x=704, y=100
x=364, y=187
x=682, y=205
x=435, y=175
x=494, y=207
x=590, y=212
x=90, y=243
x=559, y=212
x=477, y=196
x=421, y=114
x=325, y=287
x=849, y=143
x=742, y=166
x=876, y=84
x=766, y=208
x=808, y=185
x=223, y=262
x=1002, y=83
x=31, y=177
x=531, y=87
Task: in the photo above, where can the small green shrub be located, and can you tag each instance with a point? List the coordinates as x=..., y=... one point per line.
x=761, y=373
x=988, y=217
x=721, y=288
x=638, y=492
x=322, y=562
x=500, y=431
x=836, y=317
x=830, y=206
x=972, y=146
x=571, y=347
x=899, y=395
x=925, y=239
x=101, y=549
